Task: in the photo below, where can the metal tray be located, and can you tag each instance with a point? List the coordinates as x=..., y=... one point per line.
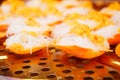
x=53, y=64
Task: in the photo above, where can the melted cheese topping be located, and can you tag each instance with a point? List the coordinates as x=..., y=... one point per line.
x=84, y=42
x=94, y=22
x=107, y=31
x=26, y=43
x=67, y=22
x=76, y=34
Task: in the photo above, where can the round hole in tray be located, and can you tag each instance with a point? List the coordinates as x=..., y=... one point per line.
x=34, y=74
x=70, y=77
x=5, y=69
x=88, y=78
x=58, y=50
x=19, y=72
x=43, y=58
x=42, y=63
x=49, y=76
x=45, y=69
x=86, y=61
x=66, y=71
x=107, y=78
x=79, y=66
x=71, y=60
x=26, y=67
x=113, y=72
x=59, y=65
x=56, y=60
x=26, y=61
x=99, y=67
x=51, y=48
x=89, y=72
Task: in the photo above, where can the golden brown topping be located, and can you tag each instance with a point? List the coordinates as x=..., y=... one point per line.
x=69, y=6
x=85, y=3
x=32, y=22
x=52, y=10
x=47, y=33
x=95, y=15
x=80, y=29
x=14, y=5
x=119, y=30
x=50, y=2
x=72, y=16
x=100, y=18
x=1, y=11
x=32, y=33
x=2, y=18
x=114, y=6
x=29, y=11
x=55, y=23
x=97, y=39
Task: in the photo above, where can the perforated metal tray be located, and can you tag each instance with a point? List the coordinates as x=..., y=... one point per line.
x=55, y=65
